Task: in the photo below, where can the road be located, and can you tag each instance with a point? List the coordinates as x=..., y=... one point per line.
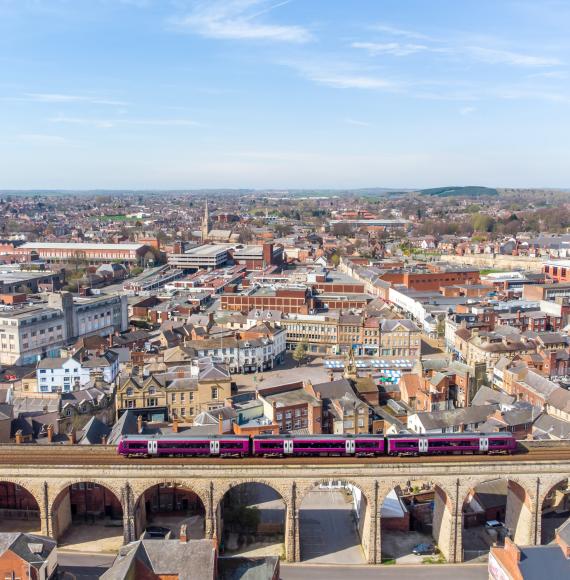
x=79, y=566
x=328, y=532
x=426, y=572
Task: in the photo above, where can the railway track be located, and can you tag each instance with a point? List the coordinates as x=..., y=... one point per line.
x=18, y=456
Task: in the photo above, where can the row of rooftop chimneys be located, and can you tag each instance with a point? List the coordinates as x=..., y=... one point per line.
x=72, y=435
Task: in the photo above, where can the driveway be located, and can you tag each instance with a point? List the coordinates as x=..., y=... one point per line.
x=327, y=531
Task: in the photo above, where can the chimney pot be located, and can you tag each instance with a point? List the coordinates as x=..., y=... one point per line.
x=175, y=425
x=72, y=437
x=50, y=433
x=140, y=424
x=183, y=534
x=19, y=437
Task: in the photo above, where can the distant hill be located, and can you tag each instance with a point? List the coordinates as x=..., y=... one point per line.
x=466, y=191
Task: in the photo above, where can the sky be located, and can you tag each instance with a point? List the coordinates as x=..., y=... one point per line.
x=146, y=94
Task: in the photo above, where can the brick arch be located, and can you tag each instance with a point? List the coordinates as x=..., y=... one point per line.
x=547, y=487
x=222, y=490
x=387, y=487
x=306, y=487
x=36, y=494
x=140, y=489
x=107, y=484
x=525, y=485
x=60, y=521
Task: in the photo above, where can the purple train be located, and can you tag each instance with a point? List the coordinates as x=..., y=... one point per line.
x=314, y=445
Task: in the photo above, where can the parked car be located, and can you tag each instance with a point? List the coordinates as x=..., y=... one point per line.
x=493, y=524
x=424, y=550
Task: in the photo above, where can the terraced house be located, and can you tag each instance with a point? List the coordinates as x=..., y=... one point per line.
x=181, y=392
x=336, y=334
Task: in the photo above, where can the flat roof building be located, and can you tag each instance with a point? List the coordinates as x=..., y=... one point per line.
x=207, y=256
x=54, y=252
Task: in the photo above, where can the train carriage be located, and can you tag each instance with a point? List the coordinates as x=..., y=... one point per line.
x=317, y=445
x=184, y=445
x=452, y=443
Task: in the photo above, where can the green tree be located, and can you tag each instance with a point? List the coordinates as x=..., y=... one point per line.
x=300, y=353
x=335, y=259
x=483, y=223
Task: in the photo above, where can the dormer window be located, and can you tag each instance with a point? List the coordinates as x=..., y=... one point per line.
x=129, y=392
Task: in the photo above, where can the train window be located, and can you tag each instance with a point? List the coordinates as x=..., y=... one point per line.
x=496, y=442
x=451, y=443
x=405, y=444
x=231, y=445
x=366, y=444
x=271, y=444
x=320, y=445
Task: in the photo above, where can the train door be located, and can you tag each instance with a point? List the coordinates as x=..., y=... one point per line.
x=152, y=447
x=288, y=446
x=483, y=444
x=423, y=445
x=349, y=446
x=214, y=447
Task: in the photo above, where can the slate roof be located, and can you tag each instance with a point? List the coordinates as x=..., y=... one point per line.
x=192, y=560
x=93, y=432
x=31, y=548
x=464, y=416
x=487, y=396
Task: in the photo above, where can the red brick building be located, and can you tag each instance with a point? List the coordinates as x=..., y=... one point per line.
x=434, y=278
x=287, y=300
x=55, y=252
x=292, y=408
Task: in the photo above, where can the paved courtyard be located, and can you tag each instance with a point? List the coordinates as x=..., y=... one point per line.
x=398, y=546
x=288, y=372
x=327, y=531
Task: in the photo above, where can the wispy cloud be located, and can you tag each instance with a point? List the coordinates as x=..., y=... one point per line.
x=69, y=98
x=494, y=56
x=342, y=76
x=356, y=122
x=240, y=20
x=394, y=48
x=110, y=123
x=467, y=111
x=395, y=31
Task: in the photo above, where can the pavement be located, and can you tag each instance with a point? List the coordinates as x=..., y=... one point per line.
x=33, y=526
x=398, y=545
x=550, y=522
x=287, y=372
x=426, y=572
x=327, y=531
x=95, y=538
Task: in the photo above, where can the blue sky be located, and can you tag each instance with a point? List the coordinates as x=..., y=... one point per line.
x=284, y=94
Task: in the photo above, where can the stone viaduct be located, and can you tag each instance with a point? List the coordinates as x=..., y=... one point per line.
x=48, y=473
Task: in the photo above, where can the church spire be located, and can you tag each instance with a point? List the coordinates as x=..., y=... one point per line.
x=205, y=224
